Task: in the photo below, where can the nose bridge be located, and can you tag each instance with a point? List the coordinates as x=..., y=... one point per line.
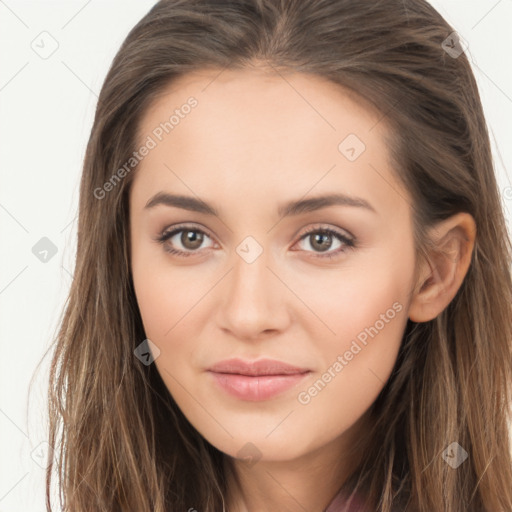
x=250, y=272
x=254, y=300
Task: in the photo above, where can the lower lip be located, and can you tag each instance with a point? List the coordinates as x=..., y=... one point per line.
x=256, y=388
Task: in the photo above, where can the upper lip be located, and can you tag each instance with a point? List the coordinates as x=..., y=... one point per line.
x=254, y=368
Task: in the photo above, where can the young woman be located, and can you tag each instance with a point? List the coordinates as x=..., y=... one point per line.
x=292, y=288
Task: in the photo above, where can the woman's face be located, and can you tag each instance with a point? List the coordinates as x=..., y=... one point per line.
x=264, y=267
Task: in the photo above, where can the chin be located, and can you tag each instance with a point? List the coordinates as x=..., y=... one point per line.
x=253, y=445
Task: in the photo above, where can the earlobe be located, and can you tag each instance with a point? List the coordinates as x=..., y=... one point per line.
x=442, y=275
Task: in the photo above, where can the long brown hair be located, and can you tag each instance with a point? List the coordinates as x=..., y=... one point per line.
x=122, y=442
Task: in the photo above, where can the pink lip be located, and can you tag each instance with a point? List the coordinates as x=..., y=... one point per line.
x=257, y=380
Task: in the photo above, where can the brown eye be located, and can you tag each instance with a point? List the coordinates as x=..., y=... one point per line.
x=321, y=241
x=327, y=241
x=191, y=239
x=183, y=240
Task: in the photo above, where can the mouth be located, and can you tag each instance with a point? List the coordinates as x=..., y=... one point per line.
x=257, y=380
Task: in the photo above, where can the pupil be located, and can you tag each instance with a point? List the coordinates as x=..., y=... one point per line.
x=191, y=239
x=319, y=237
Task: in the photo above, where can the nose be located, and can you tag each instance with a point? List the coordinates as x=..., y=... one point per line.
x=254, y=304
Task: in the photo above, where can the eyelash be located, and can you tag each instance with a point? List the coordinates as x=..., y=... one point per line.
x=349, y=243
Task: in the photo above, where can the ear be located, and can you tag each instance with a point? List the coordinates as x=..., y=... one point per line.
x=442, y=275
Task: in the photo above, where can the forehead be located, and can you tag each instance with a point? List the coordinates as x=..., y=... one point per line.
x=254, y=130
x=267, y=97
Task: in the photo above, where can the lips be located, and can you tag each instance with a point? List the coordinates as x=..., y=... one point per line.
x=256, y=380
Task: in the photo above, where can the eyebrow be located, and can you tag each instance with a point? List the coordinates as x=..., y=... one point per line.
x=289, y=209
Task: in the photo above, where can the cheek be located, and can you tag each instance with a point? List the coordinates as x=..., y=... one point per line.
x=369, y=320
x=166, y=293
x=342, y=302
x=170, y=300
x=365, y=309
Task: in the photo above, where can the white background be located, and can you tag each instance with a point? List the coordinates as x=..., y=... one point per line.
x=46, y=112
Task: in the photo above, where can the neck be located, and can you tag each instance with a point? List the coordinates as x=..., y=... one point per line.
x=309, y=482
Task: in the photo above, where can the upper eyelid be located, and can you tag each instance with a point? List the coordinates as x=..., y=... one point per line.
x=179, y=227
x=321, y=229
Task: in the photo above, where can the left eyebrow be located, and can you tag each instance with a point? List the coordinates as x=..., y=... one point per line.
x=316, y=203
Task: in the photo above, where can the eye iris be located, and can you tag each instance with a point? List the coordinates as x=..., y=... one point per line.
x=191, y=239
x=321, y=237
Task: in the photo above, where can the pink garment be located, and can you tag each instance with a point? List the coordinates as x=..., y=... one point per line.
x=339, y=504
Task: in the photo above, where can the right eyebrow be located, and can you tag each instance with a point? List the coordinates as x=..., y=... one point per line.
x=185, y=202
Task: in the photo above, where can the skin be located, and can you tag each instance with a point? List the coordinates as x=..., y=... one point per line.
x=257, y=140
